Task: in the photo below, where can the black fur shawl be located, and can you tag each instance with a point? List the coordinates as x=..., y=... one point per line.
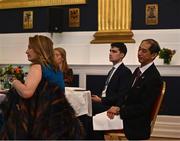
x=46, y=115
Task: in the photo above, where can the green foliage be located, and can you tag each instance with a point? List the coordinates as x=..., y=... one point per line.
x=166, y=54
x=16, y=71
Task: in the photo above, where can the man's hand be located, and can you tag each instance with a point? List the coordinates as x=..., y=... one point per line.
x=114, y=110
x=96, y=98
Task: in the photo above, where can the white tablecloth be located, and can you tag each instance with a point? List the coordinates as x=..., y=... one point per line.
x=80, y=100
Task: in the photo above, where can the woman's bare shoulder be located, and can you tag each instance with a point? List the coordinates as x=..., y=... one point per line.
x=35, y=66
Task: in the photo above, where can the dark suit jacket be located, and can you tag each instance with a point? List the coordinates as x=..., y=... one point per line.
x=136, y=111
x=116, y=89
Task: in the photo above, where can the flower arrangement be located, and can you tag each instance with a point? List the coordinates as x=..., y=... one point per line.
x=166, y=54
x=10, y=71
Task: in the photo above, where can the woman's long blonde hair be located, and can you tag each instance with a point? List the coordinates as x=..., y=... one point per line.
x=43, y=47
x=64, y=65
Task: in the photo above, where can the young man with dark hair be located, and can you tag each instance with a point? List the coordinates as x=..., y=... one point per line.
x=117, y=80
x=116, y=85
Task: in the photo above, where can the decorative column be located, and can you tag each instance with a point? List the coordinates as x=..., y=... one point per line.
x=114, y=22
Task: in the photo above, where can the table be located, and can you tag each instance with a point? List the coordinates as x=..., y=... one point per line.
x=80, y=100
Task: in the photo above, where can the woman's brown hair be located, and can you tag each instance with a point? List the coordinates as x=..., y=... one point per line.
x=43, y=46
x=64, y=65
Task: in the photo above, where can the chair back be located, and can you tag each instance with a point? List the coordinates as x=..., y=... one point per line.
x=157, y=105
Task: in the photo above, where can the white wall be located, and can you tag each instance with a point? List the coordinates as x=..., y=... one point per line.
x=86, y=58
x=80, y=51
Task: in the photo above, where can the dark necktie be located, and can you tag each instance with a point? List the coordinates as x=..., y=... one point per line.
x=107, y=81
x=137, y=75
x=109, y=76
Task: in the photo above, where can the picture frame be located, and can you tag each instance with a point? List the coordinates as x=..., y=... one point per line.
x=151, y=14
x=27, y=19
x=74, y=17
x=9, y=4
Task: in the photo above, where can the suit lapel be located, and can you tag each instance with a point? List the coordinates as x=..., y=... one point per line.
x=116, y=73
x=145, y=75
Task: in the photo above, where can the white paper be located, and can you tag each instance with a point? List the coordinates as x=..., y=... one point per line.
x=102, y=122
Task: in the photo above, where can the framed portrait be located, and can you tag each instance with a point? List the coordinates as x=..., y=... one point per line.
x=74, y=17
x=151, y=14
x=27, y=19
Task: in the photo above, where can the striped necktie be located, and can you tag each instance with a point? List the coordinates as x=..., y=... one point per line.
x=107, y=81
x=109, y=76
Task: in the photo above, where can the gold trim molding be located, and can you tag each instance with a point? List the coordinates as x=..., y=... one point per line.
x=114, y=21
x=8, y=4
x=113, y=36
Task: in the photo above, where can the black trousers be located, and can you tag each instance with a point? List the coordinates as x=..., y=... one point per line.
x=90, y=134
x=88, y=123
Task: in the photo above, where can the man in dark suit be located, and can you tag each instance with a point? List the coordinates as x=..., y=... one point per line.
x=117, y=80
x=116, y=85
x=145, y=88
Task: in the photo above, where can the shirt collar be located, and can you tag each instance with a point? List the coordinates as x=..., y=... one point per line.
x=144, y=68
x=117, y=65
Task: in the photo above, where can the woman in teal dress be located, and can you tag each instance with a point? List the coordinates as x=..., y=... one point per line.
x=38, y=108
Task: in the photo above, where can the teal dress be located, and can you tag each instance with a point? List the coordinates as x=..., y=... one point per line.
x=54, y=77
x=46, y=115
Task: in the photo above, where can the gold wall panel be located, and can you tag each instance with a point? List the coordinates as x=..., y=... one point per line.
x=8, y=4
x=114, y=21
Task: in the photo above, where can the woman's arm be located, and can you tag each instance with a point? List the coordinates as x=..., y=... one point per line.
x=27, y=89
